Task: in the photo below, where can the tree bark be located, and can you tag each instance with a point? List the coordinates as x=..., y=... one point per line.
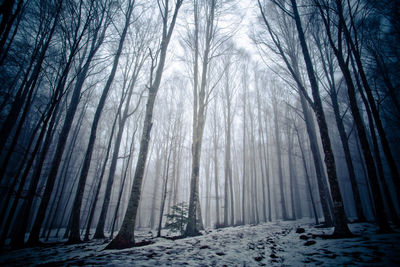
x=279, y=158
x=198, y=124
x=340, y=220
x=69, y=117
x=74, y=236
x=372, y=174
x=374, y=110
x=125, y=237
x=307, y=177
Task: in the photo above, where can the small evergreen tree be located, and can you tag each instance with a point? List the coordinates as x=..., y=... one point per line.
x=178, y=218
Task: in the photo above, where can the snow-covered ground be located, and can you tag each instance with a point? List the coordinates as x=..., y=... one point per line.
x=269, y=244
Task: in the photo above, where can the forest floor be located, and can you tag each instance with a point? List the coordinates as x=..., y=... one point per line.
x=269, y=244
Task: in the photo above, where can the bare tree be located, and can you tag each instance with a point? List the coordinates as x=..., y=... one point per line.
x=125, y=237
x=74, y=236
x=337, y=49
x=133, y=68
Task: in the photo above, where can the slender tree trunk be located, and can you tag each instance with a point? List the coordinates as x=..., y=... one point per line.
x=215, y=144
x=155, y=192
x=69, y=117
x=291, y=173
x=19, y=239
x=265, y=149
x=367, y=183
x=372, y=172
x=199, y=123
x=307, y=177
x=25, y=93
x=121, y=126
x=165, y=187
x=121, y=190
x=329, y=72
x=374, y=110
x=100, y=180
x=64, y=171
x=319, y=170
x=340, y=220
x=260, y=154
x=125, y=237
x=75, y=222
x=279, y=158
x=208, y=184
x=244, y=183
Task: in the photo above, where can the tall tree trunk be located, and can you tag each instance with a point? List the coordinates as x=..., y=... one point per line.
x=372, y=174
x=125, y=237
x=76, y=209
x=260, y=154
x=69, y=117
x=208, y=185
x=165, y=187
x=228, y=161
x=26, y=90
x=216, y=184
x=340, y=220
x=244, y=174
x=314, y=209
x=18, y=240
x=114, y=160
x=292, y=175
x=121, y=190
x=64, y=170
x=107, y=195
x=100, y=180
x=329, y=71
x=156, y=188
x=199, y=123
x=25, y=174
x=319, y=169
x=279, y=159
x=366, y=180
x=374, y=110
x=265, y=149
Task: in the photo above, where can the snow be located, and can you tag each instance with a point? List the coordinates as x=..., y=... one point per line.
x=267, y=244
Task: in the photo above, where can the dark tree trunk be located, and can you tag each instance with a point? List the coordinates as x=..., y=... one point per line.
x=25, y=174
x=69, y=117
x=121, y=190
x=372, y=174
x=340, y=220
x=26, y=90
x=76, y=209
x=374, y=110
x=307, y=177
x=100, y=180
x=18, y=240
x=330, y=75
x=125, y=237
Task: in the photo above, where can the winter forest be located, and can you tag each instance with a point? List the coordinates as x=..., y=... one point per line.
x=200, y=132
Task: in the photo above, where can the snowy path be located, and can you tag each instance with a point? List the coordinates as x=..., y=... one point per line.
x=271, y=244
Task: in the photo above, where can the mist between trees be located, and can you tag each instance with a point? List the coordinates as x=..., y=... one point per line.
x=115, y=112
